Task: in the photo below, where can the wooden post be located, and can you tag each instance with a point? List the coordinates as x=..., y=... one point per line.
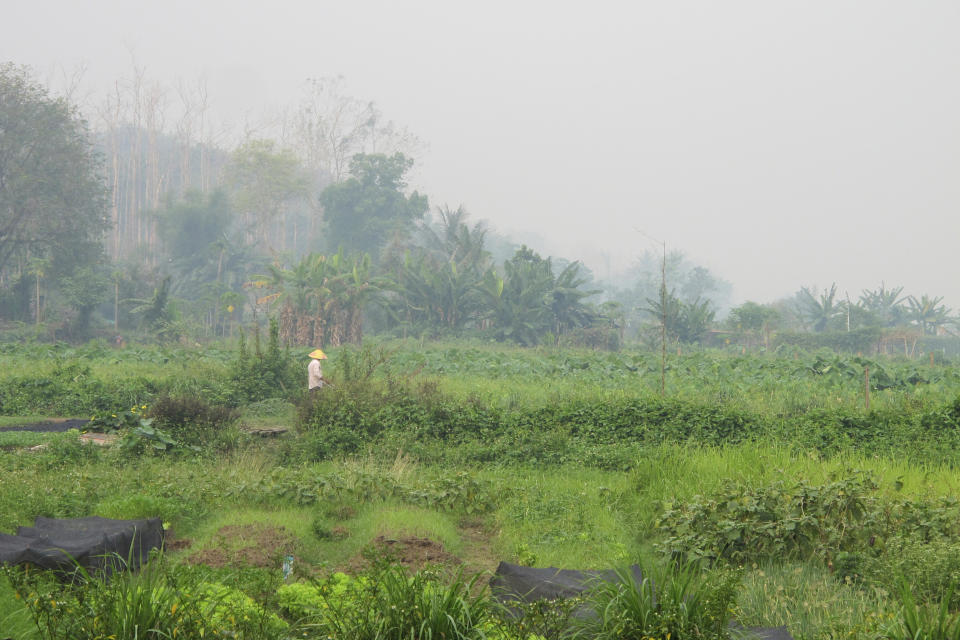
x=866, y=386
x=931, y=358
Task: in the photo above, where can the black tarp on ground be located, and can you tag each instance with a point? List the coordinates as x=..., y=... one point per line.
x=513, y=583
x=48, y=426
x=90, y=542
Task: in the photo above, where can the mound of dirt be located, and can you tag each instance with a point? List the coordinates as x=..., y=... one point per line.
x=409, y=551
x=49, y=426
x=248, y=545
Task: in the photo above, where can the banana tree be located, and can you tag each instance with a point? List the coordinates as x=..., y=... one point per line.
x=437, y=285
x=566, y=301
x=816, y=310
x=518, y=304
x=431, y=295
x=321, y=299
x=927, y=313
x=886, y=304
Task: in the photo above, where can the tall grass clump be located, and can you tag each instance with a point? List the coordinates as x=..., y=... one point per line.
x=920, y=621
x=673, y=602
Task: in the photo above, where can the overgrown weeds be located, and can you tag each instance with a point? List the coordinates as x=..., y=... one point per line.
x=672, y=602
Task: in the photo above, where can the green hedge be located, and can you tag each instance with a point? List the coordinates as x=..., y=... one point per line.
x=348, y=421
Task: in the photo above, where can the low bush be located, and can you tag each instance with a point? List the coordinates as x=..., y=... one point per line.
x=391, y=414
x=263, y=373
x=930, y=567
x=191, y=420
x=392, y=604
x=845, y=523
x=785, y=521
x=453, y=492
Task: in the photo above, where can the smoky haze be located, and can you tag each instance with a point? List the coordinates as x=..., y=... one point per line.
x=781, y=144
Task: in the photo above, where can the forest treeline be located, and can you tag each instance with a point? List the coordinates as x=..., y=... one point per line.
x=141, y=218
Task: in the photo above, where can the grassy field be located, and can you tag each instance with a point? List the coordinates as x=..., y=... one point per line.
x=768, y=466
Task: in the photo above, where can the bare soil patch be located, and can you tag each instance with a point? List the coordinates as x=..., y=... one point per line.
x=409, y=551
x=248, y=545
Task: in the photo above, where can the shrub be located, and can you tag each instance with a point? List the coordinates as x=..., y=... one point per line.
x=845, y=522
x=191, y=420
x=269, y=373
x=777, y=521
x=931, y=568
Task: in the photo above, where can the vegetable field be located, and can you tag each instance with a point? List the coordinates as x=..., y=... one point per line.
x=759, y=488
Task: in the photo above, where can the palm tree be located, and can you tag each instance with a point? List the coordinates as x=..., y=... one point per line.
x=566, y=301
x=885, y=304
x=437, y=295
x=695, y=320
x=928, y=313
x=438, y=284
x=518, y=303
x=818, y=311
x=668, y=310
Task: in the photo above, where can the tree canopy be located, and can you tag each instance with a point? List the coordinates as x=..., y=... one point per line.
x=363, y=212
x=52, y=196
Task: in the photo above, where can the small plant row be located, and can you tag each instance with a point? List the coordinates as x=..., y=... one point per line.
x=395, y=415
x=822, y=367
x=457, y=492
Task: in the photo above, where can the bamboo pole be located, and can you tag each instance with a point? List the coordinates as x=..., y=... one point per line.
x=866, y=386
x=663, y=323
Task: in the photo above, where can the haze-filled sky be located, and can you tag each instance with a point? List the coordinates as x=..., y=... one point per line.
x=781, y=144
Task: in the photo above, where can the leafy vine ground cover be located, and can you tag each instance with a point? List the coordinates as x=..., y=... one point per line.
x=555, y=457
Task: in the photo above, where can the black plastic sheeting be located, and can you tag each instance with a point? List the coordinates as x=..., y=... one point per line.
x=513, y=583
x=48, y=426
x=93, y=543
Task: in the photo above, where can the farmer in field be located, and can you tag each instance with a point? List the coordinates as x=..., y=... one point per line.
x=315, y=379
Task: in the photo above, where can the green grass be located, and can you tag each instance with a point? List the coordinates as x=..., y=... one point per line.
x=9, y=421
x=21, y=439
x=361, y=527
x=812, y=603
x=566, y=515
x=567, y=518
x=15, y=620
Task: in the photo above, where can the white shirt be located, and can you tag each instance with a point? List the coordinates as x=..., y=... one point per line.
x=314, y=375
